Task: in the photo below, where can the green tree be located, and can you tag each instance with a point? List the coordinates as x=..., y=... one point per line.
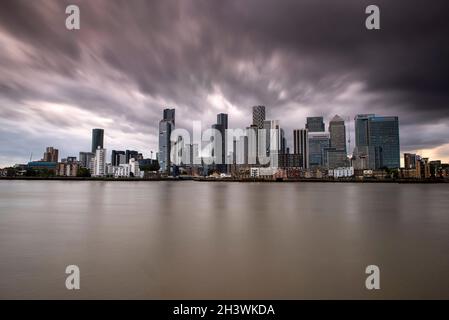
x=83, y=172
x=10, y=172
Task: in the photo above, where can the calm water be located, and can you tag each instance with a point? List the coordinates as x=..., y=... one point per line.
x=223, y=240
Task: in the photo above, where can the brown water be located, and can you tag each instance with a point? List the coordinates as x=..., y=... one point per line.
x=223, y=240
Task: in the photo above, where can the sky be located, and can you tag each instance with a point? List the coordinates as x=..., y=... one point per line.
x=131, y=59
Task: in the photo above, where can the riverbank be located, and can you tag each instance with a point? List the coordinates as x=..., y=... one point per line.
x=204, y=179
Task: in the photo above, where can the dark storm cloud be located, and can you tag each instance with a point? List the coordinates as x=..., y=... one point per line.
x=310, y=57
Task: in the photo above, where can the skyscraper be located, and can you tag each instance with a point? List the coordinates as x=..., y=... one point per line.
x=272, y=143
x=301, y=145
x=222, y=126
x=337, y=131
x=51, y=155
x=258, y=116
x=115, y=157
x=97, y=139
x=100, y=162
x=336, y=154
x=318, y=145
x=381, y=134
x=252, y=146
x=361, y=129
x=85, y=158
x=166, y=126
x=169, y=115
x=131, y=154
x=315, y=124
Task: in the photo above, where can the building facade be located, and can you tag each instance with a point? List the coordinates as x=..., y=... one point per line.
x=166, y=126
x=118, y=157
x=99, y=169
x=97, y=139
x=51, y=155
x=258, y=116
x=315, y=124
x=301, y=146
x=85, y=159
x=381, y=135
x=318, y=145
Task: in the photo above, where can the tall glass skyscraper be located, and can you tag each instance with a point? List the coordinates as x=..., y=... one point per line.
x=315, y=124
x=301, y=146
x=381, y=135
x=337, y=131
x=222, y=126
x=166, y=126
x=336, y=155
x=318, y=145
x=97, y=139
x=258, y=116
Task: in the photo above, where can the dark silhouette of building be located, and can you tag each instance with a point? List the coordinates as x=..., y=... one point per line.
x=315, y=124
x=115, y=157
x=97, y=139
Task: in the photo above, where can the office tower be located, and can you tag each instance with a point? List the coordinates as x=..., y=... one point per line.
x=362, y=129
x=166, y=126
x=315, y=124
x=196, y=156
x=85, y=158
x=301, y=146
x=272, y=143
x=336, y=158
x=169, y=115
x=264, y=140
x=336, y=154
x=51, y=155
x=381, y=135
x=178, y=152
x=318, y=144
x=283, y=142
x=410, y=160
x=337, y=131
x=241, y=150
x=97, y=139
x=100, y=162
x=222, y=119
x=131, y=154
x=222, y=126
x=252, y=145
x=258, y=116
x=115, y=157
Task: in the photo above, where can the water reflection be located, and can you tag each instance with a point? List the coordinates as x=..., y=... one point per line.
x=223, y=240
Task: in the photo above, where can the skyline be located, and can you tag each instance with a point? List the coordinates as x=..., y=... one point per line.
x=349, y=133
x=298, y=58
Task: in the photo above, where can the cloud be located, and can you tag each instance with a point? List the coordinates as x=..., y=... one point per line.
x=130, y=59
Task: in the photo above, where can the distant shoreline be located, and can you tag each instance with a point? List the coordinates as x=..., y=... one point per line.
x=200, y=179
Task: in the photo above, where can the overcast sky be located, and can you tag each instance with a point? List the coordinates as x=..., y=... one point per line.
x=130, y=59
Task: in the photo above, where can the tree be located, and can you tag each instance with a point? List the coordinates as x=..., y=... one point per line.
x=10, y=172
x=83, y=172
x=154, y=166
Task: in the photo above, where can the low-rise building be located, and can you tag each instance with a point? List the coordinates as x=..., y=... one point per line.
x=131, y=169
x=344, y=172
x=40, y=165
x=67, y=169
